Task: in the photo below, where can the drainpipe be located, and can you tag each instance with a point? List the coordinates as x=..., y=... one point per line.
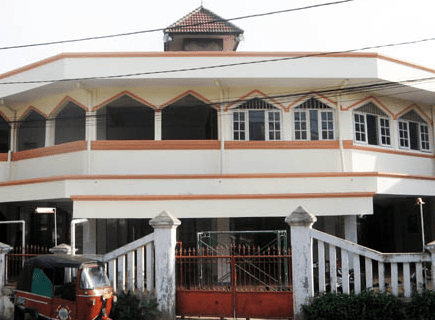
x=73, y=233
x=340, y=137
x=222, y=106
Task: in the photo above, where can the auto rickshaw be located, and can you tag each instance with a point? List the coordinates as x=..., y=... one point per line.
x=63, y=287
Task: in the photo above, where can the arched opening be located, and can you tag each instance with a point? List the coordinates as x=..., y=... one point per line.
x=189, y=119
x=70, y=124
x=31, y=132
x=5, y=133
x=125, y=119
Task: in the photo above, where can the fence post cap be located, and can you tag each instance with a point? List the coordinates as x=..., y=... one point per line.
x=5, y=248
x=300, y=217
x=164, y=220
x=62, y=249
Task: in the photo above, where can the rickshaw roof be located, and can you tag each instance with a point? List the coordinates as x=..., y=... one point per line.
x=52, y=261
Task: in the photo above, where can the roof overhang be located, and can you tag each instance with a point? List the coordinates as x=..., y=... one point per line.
x=304, y=71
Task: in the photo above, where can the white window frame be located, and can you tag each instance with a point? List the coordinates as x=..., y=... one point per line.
x=302, y=127
x=268, y=124
x=423, y=135
x=382, y=130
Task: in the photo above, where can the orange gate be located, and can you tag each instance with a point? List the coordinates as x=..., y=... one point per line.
x=233, y=282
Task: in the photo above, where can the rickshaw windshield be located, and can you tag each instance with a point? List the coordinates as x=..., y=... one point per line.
x=93, y=277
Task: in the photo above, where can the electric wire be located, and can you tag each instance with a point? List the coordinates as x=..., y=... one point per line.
x=175, y=27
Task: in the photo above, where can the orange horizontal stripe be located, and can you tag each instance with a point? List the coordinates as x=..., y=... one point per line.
x=49, y=151
x=325, y=144
x=155, y=145
x=222, y=196
x=348, y=144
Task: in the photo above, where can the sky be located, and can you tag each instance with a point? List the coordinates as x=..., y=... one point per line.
x=347, y=26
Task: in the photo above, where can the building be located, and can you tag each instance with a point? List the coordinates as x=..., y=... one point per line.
x=223, y=140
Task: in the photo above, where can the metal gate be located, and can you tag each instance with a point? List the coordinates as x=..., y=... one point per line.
x=233, y=282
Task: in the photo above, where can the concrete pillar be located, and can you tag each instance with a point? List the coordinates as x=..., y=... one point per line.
x=350, y=229
x=91, y=125
x=300, y=222
x=49, y=132
x=6, y=306
x=158, y=125
x=165, y=226
x=90, y=237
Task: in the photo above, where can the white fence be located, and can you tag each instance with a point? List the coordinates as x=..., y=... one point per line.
x=131, y=267
x=321, y=263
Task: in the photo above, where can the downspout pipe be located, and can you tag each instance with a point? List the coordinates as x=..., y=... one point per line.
x=222, y=107
x=73, y=233
x=340, y=136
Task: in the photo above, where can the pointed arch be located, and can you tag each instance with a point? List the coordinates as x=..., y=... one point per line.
x=189, y=116
x=121, y=94
x=255, y=94
x=373, y=100
x=417, y=109
x=193, y=93
x=31, y=130
x=69, y=122
x=63, y=103
x=125, y=117
x=321, y=98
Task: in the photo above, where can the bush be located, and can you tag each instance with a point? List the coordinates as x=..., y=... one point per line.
x=130, y=306
x=422, y=306
x=366, y=305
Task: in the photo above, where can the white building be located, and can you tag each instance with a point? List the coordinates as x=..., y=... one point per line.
x=223, y=140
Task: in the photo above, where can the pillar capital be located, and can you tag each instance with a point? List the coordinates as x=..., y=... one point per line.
x=164, y=220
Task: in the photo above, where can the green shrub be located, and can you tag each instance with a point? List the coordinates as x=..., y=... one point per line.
x=422, y=306
x=366, y=305
x=130, y=306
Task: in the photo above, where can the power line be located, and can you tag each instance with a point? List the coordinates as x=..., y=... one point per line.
x=221, y=65
x=180, y=27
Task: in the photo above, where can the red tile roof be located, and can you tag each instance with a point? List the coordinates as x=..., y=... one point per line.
x=202, y=20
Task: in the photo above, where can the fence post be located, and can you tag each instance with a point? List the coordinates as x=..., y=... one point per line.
x=431, y=247
x=300, y=222
x=6, y=306
x=165, y=226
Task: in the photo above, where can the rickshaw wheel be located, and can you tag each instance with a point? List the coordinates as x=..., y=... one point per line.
x=18, y=314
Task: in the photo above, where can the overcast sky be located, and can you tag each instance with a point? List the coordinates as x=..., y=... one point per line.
x=347, y=26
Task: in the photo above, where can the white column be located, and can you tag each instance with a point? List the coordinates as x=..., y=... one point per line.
x=165, y=226
x=49, y=132
x=350, y=229
x=158, y=125
x=90, y=237
x=301, y=222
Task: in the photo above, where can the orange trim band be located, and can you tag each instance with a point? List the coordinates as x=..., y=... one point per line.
x=325, y=144
x=155, y=145
x=348, y=144
x=49, y=151
x=223, y=196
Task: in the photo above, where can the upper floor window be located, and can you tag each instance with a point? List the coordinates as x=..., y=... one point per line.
x=313, y=120
x=31, y=132
x=189, y=119
x=70, y=124
x=125, y=119
x=256, y=120
x=372, y=125
x=413, y=132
